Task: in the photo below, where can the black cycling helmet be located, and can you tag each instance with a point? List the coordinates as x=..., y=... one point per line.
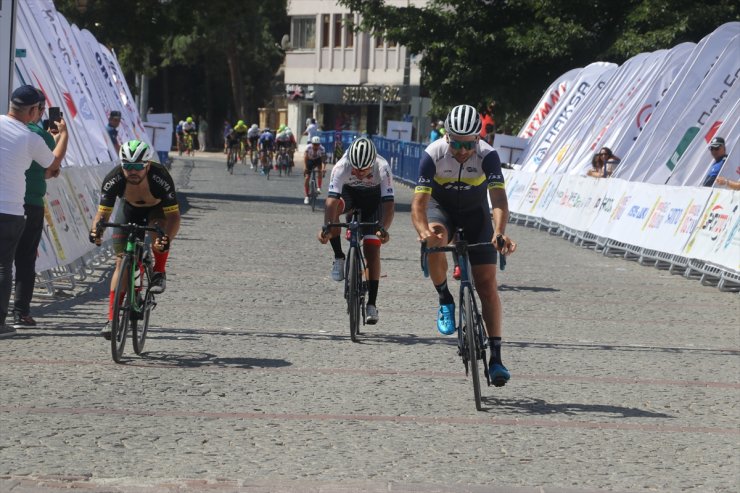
x=463, y=120
x=135, y=151
x=362, y=153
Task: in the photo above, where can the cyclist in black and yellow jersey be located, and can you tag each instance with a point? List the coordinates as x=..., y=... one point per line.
x=458, y=174
x=149, y=197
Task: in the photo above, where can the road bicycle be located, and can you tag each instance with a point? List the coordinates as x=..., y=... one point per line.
x=471, y=333
x=313, y=189
x=243, y=151
x=283, y=162
x=133, y=300
x=189, y=150
x=231, y=160
x=266, y=163
x=355, y=285
x=253, y=155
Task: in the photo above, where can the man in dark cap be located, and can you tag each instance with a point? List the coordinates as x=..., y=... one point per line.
x=19, y=147
x=719, y=154
x=114, y=120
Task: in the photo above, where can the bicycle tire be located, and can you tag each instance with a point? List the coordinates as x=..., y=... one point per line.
x=121, y=311
x=469, y=326
x=138, y=333
x=312, y=193
x=353, y=296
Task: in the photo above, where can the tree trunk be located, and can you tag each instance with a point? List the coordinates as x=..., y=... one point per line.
x=237, y=85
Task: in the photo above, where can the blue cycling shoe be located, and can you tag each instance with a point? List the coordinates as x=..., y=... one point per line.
x=446, y=319
x=498, y=374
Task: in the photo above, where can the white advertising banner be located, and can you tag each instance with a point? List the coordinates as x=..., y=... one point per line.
x=541, y=191
x=717, y=237
x=517, y=184
x=7, y=51
x=574, y=204
x=550, y=99
x=673, y=216
x=636, y=163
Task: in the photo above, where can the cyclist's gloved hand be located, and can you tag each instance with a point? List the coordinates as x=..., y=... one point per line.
x=162, y=243
x=95, y=237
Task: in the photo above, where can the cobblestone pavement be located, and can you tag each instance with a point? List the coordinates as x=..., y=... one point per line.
x=625, y=378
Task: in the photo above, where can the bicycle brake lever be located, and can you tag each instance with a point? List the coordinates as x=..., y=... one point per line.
x=500, y=242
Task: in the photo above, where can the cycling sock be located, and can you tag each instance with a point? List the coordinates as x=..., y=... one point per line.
x=372, y=291
x=111, y=300
x=445, y=297
x=336, y=245
x=495, y=344
x=160, y=260
x=318, y=179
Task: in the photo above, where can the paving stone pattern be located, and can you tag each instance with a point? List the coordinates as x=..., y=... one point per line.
x=625, y=378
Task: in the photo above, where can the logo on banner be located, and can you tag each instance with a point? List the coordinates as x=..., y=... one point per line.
x=682, y=146
x=716, y=222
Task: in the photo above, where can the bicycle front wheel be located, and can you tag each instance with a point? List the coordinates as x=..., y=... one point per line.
x=146, y=303
x=471, y=342
x=121, y=310
x=353, y=296
x=313, y=193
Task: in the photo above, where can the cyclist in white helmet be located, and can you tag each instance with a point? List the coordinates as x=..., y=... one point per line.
x=361, y=180
x=457, y=175
x=149, y=197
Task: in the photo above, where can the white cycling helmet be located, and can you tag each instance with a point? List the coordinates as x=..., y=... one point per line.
x=135, y=151
x=463, y=120
x=316, y=139
x=362, y=153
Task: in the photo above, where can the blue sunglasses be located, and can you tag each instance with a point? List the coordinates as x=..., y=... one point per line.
x=457, y=145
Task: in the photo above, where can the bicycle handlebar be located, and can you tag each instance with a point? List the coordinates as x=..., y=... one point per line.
x=425, y=251
x=131, y=227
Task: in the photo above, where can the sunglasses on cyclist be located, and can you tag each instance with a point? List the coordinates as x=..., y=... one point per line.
x=467, y=145
x=133, y=166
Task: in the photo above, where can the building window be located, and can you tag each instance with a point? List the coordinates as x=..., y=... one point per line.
x=378, y=39
x=304, y=33
x=392, y=44
x=325, y=25
x=337, y=30
x=349, y=26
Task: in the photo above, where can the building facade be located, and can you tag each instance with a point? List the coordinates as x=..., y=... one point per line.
x=348, y=80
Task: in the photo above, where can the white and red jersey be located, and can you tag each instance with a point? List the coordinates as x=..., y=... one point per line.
x=380, y=177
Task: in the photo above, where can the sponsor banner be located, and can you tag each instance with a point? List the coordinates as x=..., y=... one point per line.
x=672, y=217
x=540, y=194
x=693, y=165
x=517, y=185
x=550, y=99
x=698, y=114
x=561, y=114
x=637, y=163
x=616, y=193
x=574, y=204
x=716, y=238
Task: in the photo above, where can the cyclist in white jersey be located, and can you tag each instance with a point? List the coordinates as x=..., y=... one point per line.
x=457, y=175
x=313, y=157
x=361, y=180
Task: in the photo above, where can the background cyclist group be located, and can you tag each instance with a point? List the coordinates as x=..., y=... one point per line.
x=458, y=175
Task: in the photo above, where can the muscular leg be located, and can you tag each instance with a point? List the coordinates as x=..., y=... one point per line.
x=438, y=261
x=485, y=284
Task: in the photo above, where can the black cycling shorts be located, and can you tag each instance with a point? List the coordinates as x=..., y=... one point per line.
x=477, y=228
x=367, y=202
x=313, y=163
x=142, y=216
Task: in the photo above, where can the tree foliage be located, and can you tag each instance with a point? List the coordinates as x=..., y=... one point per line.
x=475, y=51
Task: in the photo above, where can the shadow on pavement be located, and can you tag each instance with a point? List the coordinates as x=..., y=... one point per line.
x=534, y=289
x=186, y=196
x=201, y=359
x=542, y=408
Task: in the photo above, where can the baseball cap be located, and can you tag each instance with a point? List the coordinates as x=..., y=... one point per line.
x=26, y=96
x=115, y=114
x=717, y=142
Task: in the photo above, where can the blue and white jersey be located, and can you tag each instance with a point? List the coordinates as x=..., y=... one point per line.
x=380, y=177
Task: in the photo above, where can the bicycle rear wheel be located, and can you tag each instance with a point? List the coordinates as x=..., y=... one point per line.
x=353, y=295
x=121, y=311
x=313, y=193
x=146, y=303
x=471, y=342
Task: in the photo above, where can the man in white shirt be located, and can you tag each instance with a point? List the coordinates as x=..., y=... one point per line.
x=19, y=147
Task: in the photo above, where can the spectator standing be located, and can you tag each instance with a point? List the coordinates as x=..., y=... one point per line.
x=434, y=133
x=19, y=147
x=488, y=128
x=312, y=130
x=719, y=154
x=114, y=120
x=28, y=244
x=202, y=133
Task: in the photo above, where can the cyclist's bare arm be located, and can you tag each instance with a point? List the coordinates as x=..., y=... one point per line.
x=419, y=206
x=331, y=215
x=500, y=206
x=100, y=216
